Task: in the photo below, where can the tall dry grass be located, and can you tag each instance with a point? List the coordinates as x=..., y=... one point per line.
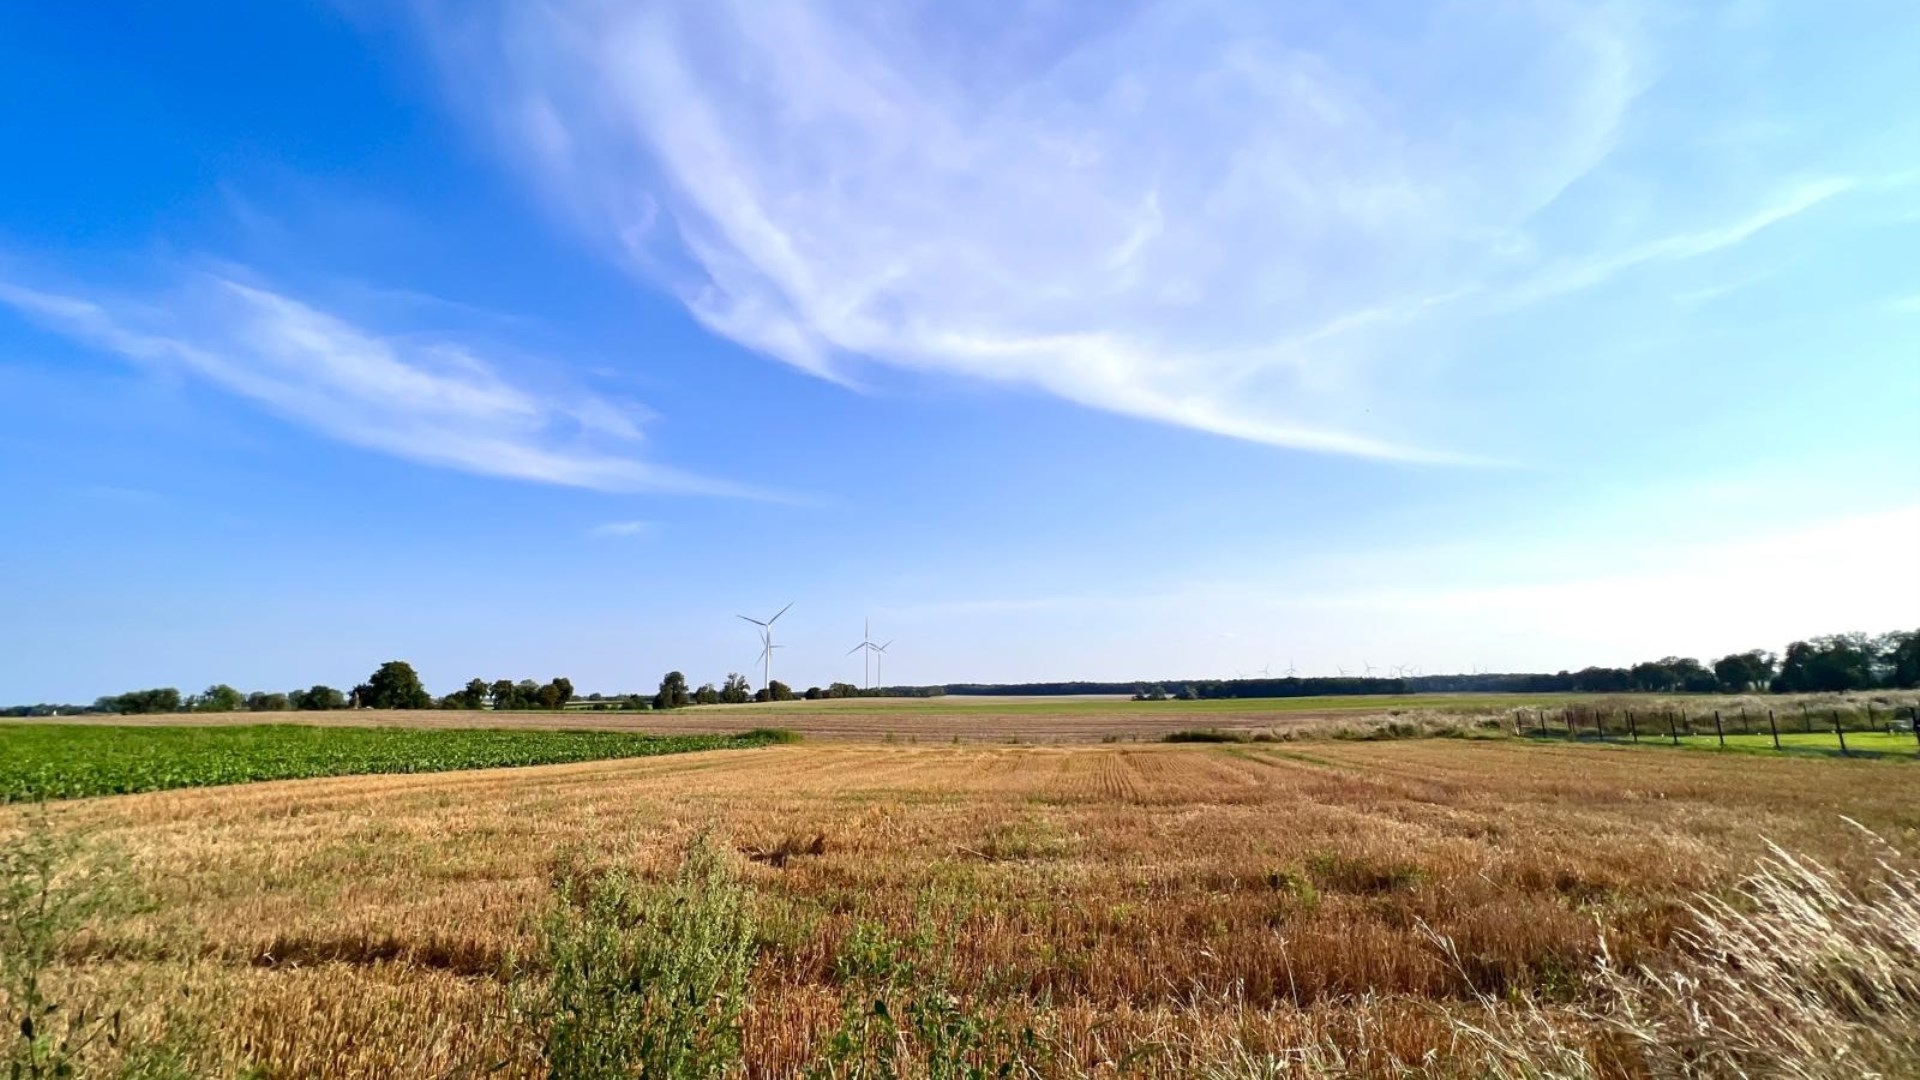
x=1795, y=974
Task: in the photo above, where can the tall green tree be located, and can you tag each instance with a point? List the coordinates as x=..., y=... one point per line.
x=262, y=701
x=1900, y=652
x=473, y=695
x=673, y=691
x=737, y=691
x=1832, y=663
x=163, y=699
x=526, y=694
x=1741, y=673
x=555, y=694
x=395, y=686
x=501, y=693
x=218, y=698
x=320, y=697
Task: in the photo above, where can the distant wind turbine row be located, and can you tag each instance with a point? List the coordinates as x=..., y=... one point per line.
x=876, y=654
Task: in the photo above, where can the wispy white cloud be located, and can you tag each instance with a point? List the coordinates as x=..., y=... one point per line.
x=621, y=528
x=1795, y=200
x=436, y=403
x=1164, y=210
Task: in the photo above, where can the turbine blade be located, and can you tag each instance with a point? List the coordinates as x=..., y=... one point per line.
x=754, y=621
x=883, y=648
x=856, y=648
x=777, y=614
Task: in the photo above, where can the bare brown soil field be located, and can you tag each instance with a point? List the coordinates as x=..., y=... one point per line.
x=1148, y=910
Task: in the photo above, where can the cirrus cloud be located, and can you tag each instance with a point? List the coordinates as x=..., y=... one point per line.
x=435, y=402
x=1163, y=210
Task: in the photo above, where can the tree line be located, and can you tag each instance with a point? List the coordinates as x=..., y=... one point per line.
x=396, y=685
x=1836, y=662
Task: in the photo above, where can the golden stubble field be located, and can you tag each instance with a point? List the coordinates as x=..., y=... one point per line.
x=1150, y=910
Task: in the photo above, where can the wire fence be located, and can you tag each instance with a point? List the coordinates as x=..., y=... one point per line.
x=1874, y=728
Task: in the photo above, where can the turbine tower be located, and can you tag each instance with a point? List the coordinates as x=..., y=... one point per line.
x=766, y=644
x=879, y=665
x=766, y=657
x=867, y=646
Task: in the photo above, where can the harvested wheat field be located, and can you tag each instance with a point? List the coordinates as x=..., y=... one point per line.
x=1431, y=907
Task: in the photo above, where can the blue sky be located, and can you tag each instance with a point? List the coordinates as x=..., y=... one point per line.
x=1061, y=340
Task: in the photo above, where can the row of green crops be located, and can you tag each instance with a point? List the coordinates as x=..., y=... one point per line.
x=62, y=761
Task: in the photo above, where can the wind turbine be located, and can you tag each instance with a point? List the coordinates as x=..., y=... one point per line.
x=766, y=644
x=1290, y=668
x=879, y=666
x=766, y=657
x=866, y=645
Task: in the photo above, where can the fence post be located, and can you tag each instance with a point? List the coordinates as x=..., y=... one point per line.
x=1839, y=734
x=1775, y=728
x=1540, y=720
x=1915, y=713
x=1633, y=729
x=1718, y=730
x=1745, y=729
x=1806, y=717
x=1567, y=715
x=1671, y=733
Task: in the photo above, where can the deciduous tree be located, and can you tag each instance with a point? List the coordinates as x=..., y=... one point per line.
x=1745, y=672
x=394, y=686
x=319, y=697
x=673, y=691
x=219, y=698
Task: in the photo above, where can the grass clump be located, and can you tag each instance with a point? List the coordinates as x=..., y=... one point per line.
x=902, y=1019
x=791, y=846
x=1022, y=840
x=1359, y=874
x=768, y=736
x=647, y=980
x=1297, y=887
x=1204, y=735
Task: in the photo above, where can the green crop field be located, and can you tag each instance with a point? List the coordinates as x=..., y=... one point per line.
x=59, y=761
